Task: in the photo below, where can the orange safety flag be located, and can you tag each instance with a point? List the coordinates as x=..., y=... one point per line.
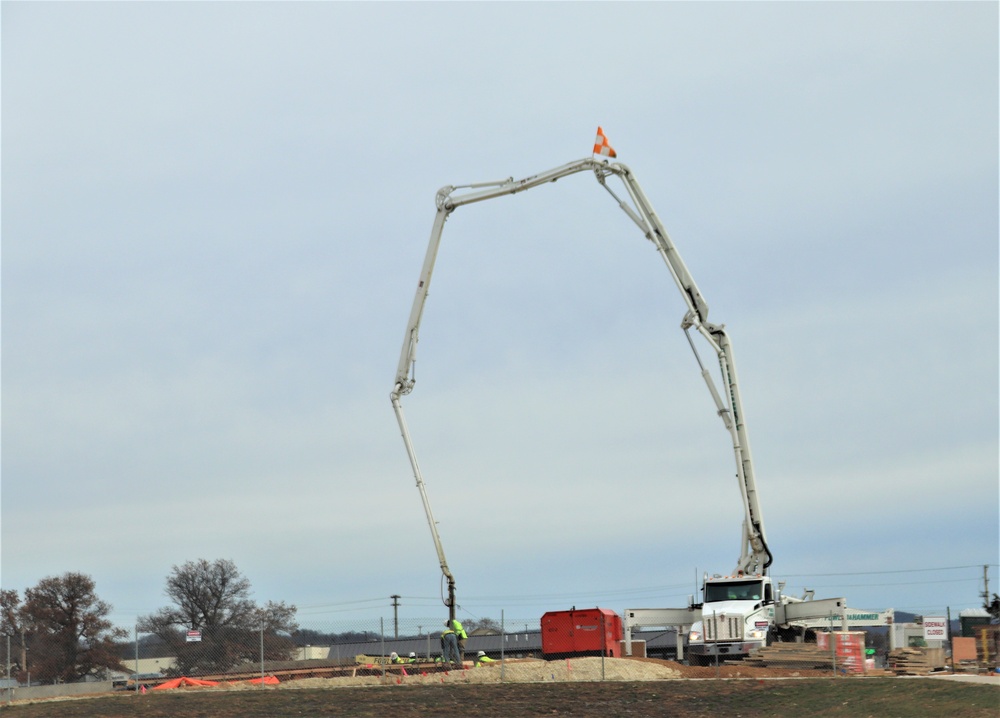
x=267, y=680
x=601, y=146
x=182, y=682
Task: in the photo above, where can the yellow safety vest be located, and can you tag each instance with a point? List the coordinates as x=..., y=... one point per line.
x=459, y=631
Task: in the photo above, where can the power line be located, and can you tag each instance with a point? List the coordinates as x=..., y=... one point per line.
x=572, y=594
x=346, y=603
x=874, y=573
x=663, y=591
x=889, y=585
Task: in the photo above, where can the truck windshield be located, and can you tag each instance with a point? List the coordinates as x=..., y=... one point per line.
x=734, y=591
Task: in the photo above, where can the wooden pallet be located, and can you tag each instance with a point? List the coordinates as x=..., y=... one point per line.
x=791, y=655
x=916, y=661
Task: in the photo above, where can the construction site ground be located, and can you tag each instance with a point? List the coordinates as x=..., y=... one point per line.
x=574, y=687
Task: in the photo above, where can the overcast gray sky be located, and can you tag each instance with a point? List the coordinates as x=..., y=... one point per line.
x=215, y=214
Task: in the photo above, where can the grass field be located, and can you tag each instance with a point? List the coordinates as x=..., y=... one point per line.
x=832, y=698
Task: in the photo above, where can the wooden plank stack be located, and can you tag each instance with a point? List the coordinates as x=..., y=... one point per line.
x=791, y=655
x=916, y=661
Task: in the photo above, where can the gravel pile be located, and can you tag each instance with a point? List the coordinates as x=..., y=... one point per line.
x=521, y=671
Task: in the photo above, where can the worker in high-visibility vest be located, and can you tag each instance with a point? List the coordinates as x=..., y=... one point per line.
x=483, y=659
x=460, y=634
x=449, y=646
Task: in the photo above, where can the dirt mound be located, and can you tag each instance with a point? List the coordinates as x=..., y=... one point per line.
x=584, y=669
x=513, y=671
x=737, y=669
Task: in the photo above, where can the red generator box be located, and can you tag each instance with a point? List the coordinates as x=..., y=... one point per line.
x=587, y=631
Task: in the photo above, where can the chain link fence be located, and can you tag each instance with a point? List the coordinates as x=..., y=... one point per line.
x=234, y=653
x=361, y=652
x=376, y=652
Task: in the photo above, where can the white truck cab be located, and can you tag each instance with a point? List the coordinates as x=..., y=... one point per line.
x=737, y=616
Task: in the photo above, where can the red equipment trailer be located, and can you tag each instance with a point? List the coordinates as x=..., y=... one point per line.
x=587, y=631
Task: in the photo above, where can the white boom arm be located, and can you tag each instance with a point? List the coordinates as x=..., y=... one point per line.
x=755, y=556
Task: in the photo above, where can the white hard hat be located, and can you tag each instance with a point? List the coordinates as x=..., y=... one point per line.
x=412, y=654
x=481, y=653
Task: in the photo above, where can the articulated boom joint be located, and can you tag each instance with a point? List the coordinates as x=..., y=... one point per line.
x=441, y=199
x=402, y=388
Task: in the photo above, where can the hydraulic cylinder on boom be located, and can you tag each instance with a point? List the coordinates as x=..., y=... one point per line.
x=755, y=557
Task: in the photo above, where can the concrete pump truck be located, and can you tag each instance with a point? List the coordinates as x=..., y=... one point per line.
x=741, y=611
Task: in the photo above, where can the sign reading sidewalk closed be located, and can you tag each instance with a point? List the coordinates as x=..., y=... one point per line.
x=193, y=636
x=935, y=628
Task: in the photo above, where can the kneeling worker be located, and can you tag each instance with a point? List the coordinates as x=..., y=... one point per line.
x=482, y=659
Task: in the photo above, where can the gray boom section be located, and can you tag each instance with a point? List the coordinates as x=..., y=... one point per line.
x=679, y=619
x=811, y=612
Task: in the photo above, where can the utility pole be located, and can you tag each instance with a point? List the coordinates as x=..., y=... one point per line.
x=986, y=586
x=24, y=657
x=395, y=614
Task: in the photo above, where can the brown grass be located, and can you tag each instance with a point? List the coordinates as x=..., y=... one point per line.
x=556, y=688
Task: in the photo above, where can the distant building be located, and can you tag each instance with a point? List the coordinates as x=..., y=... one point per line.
x=311, y=653
x=910, y=635
x=969, y=618
x=146, y=667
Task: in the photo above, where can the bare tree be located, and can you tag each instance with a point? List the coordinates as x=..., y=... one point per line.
x=213, y=598
x=993, y=608
x=63, y=626
x=12, y=623
x=483, y=626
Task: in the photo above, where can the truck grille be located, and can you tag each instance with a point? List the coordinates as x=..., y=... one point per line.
x=721, y=627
